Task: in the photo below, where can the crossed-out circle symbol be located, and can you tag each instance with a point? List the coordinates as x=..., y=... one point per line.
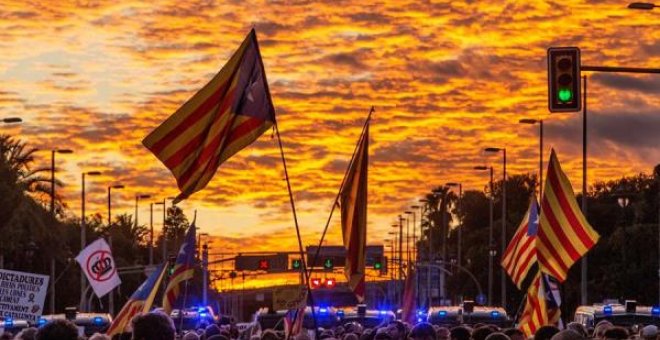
x=101, y=255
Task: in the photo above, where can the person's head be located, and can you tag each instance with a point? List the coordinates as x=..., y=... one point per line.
x=616, y=333
x=190, y=336
x=601, y=327
x=6, y=336
x=545, y=332
x=269, y=334
x=578, y=328
x=350, y=336
x=153, y=326
x=383, y=336
x=497, y=336
x=481, y=333
x=460, y=333
x=397, y=330
x=58, y=330
x=443, y=333
x=649, y=332
x=568, y=334
x=367, y=334
x=514, y=334
x=27, y=334
x=99, y=336
x=423, y=331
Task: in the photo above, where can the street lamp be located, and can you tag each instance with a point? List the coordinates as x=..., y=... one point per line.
x=111, y=297
x=52, y=176
x=503, y=236
x=460, y=212
x=138, y=197
x=415, y=207
x=83, y=236
x=540, y=122
x=408, y=235
x=642, y=5
x=490, y=233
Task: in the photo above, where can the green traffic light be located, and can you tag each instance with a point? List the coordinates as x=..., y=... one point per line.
x=565, y=95
x=297, y=264
x=328, y=264
x=378, y=265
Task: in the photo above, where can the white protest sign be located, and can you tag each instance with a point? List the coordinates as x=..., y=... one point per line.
x=98, y=265
x=22, y=295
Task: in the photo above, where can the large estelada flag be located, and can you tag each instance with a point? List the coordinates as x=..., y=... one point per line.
x=293, y=321
x=225, y=116
x=564, y=234
x=520, y=254
x=353, y=203
x=140, y=302
x=184, y=268
x=541, y=306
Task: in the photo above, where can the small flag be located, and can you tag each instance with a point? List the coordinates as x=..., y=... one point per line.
x=542, y=306
x=409, y=297
x=99, y=266
x=140, y=302
x=564, y=234
x=520, y=255
x=183, y=270
x=293, y=321
x=225, y=116
x=353, y=203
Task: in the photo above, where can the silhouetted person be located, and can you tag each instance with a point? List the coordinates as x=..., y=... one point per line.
x=546, y=332
x=153, y=326
x=58, y=330
x=423, y=331
x=460, y=333
x=481, y=333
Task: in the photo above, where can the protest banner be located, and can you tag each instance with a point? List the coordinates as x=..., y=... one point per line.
x=22, y=295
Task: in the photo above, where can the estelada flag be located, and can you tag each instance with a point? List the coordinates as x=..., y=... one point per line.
x=520, y=254
x=184, y=267
x=99, y=266
x=353, y=204
x=225, y=116
x=140, y=302
x=535, y=314
x=564, y=234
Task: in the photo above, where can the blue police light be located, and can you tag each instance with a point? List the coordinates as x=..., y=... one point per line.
x=382, y=312
x=419, y=319
x=494, y=314
x=420, y=312
x=42, y=322
x=98, y=320
x=201, y=309
x=655, y=310
x=203, y=315
x=442, y=313
x=340, y=313
x=323, y=310
x=607, y=310
x=9, y=322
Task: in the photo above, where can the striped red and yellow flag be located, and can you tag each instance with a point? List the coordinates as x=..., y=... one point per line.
x=541, y=306
x=225, y=116
x=184, y=268
x=520, y=255
x=140, y=302
x=564, y=233
x=353, y=204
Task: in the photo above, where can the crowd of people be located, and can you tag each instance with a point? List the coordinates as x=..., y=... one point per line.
x=159, y=326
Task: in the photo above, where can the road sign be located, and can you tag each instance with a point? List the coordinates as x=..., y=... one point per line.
x=270, y=263
x=289, y=297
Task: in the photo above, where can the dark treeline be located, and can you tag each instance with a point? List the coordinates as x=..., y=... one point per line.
x=32, y=237
x=622, y=265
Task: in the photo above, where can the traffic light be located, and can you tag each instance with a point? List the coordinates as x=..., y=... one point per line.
x=564, y=81
x=328, y=264
x=296, y=264
x=378, y=263
x=264, y=264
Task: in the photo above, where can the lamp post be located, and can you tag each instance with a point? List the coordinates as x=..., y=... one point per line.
x=460, y=212
x=52, y=176
x=414, y=247
x=408, y=236
x=163, y=236
x=540, y=122
x=490, y=234
x=138, y=197
x=503, y=235
x=642, y=5
x=83, y=236
x=111, y=295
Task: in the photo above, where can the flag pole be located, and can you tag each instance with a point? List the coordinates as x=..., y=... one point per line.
x=343, y=181
x=185, y=289
x=295, y=221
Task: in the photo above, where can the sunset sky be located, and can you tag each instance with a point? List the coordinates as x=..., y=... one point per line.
x=447, y=78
